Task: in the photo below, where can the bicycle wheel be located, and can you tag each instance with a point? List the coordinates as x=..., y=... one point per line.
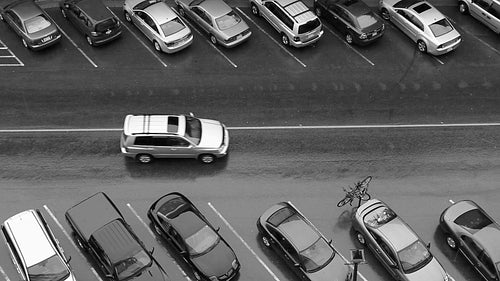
x=365, y=182
x=344, y=201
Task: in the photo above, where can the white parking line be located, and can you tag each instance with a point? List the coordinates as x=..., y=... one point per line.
x=154, y=236
x=438, y=60
x=139, y=39
x=4, y=274
x=12, y=55
x=347, y=44
x=70, y=240
x=276, y=42
x=244, y=243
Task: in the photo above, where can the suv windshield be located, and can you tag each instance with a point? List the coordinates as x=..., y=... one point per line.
x=316, y=256
x=193, y=129
x=51, y=269
x=132, y=265
x=309, y=26
x=414, y=257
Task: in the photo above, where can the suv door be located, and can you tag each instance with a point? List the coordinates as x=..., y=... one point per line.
x=488, y=12
x=270, y=12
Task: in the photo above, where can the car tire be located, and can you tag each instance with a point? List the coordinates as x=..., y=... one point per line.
x=157, y=46
x=255, y=10
x=213, y=39
x=89, y=41
x=266, y=241
x=181, y=11
x=422, y=47
x=144, y=158
x=451, y=242
x=206, y=158
x=361, y=239
x=284, y=39
x=348, y=38
x=25, y=44
x=64, y=13
x=385, y=14
x=317, y=11
x=463, y=8
x=128, y=18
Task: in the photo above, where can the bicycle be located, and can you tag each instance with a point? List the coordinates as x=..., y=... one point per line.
x=359, y=191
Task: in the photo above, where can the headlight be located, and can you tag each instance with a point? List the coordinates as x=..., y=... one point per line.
x=362, y=36
x=234, y=264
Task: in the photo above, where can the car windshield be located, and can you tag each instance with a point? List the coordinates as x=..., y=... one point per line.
x=309, y=26
x=202, y=241
x=317, y=255
x=193, y=129
x=36, y=24
x=441, y=27
x=228, y=20
x=172, y=27
x=51, y=269
x=132, y=265
x=473, y=220
x=366, y=20
x=414, y=257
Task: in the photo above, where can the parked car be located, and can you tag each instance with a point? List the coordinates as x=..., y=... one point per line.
x=176, y=219
x=31, y=23
x=34, y=249
x=486, y=11
x=159, y=23
x=92, y=19
x=296, y=24
x=353, y=18
x=215, y=17
x=469, y=229
x=101, y=231
x=146, y=137
x=395, y=244
x=423, y=23
x=305, y=250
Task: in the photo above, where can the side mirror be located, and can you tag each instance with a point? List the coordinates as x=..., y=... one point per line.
x=217, y=229
x=152, y=250
x=191, y=114
x=428, y=245
x=68, y=260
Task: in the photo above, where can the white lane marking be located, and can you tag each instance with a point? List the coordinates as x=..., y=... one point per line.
x=382, y=126
x=276, y=42
x=438, y=60
x=209, y=42
x=347, y=261
x=74, y=44
x=347, y=44
x=20, y=63
x=451, y=201
x=138, y=39
x=154, y=236
x=244, y=243
x=4, y=274
x=70, y=240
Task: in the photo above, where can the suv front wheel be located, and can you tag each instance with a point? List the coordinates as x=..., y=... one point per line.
x=284, y=39
x=144, y=158
x=206, y=158
x=255, y=10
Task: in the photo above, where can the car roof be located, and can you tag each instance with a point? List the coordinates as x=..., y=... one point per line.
x=154, y=124
x=31, y=238
x=116, y=241
x=94, y=9
x=398, y=233
x=297, y=9
x=216, y=8
x=26, y=9
x=355, y=7
x=489, y=238
x=187, y=223
x=161, y=12
x=93, y=213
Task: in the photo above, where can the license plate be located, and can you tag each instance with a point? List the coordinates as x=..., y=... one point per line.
x=108, y=31
x=45, y=39
x=239, y=36
x=375, y=33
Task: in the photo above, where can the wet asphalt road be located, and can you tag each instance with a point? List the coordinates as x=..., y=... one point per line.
x=416, y=170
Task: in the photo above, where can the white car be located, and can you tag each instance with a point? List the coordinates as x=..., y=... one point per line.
x=423, y=23
x=34, y=250
x=159, y=23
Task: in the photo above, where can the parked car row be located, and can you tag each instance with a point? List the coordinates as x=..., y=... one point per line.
x=297, y=25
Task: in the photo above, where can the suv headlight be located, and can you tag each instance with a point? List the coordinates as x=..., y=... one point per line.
x=362, y=36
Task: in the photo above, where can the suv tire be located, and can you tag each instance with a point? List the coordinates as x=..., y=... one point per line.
x=144, y=158
x=284, y=39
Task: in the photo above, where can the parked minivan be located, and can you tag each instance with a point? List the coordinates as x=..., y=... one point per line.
x=486, y=11
x=93, y=19
x=297, y=25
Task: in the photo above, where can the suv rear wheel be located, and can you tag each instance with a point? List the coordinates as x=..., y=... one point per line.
x=255, y=10
x=144, y=158
x=462, y=7
x=284, y=39
x=348, y=38
x=127, y=17
x=206, y=158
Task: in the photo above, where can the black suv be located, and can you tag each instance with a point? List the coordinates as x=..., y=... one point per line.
x=101, y=231
x=92, y=19
x=353, y=18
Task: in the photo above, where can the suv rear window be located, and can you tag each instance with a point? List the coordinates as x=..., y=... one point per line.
x=309, y=26
x=105, y=25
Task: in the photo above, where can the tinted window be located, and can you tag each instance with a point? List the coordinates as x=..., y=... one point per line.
x=130, y=266
x=36, y=24
x=473, y=220
x=105, y=25
x=309, y=26
x=49, y=269
x=422, y=8
x=317, y=255
x=281, y=215
x=143, y=141
x=414, y=257
x=172, y=27
x=441, y=27
x=193, y=129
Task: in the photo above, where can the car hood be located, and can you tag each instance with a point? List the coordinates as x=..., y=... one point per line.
x=216, y=262
x=336, y=270
x=433, y=271
x=212, y=133
x=152, y=273
x=236, y=29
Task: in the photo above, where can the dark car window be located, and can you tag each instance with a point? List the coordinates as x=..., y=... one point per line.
x=494, y=10
x=148, y=20
x=473, y=220
x=389, y=254
x=105, y=25
x=279, y=216
x=317, y=255
x=48, y=269
x=143, y=141
x=488, y=264
x=483, y=4
x=345, y=16
x=473, y=246
x=15, y=19
x=309, y=26
x=414, y=257
x=193, y=129
x=131, y=265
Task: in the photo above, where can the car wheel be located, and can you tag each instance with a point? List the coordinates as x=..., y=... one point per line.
x=348, y=38
x=255, y=10
x=317, y=11
x=157, y=46
x=25, y=44
x=463, y=8
x=144, y=158
x=89, y=41
x=451, y=242
x=63, y=13
x=361, y=238
x=385, y=14
x=285, y=40
x=206, y=158
x=421, y=46
x=127, y=17
x=266, y=241
x=197, y=275
x=213, y=39
x=181, y=11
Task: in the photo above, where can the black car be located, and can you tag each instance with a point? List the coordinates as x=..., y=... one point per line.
x=470, y=230
x=93, y=19
x=101, y=231
x=353, y=18
x=175, y=218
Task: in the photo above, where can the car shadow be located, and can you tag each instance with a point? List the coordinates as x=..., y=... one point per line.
x=175, y=168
